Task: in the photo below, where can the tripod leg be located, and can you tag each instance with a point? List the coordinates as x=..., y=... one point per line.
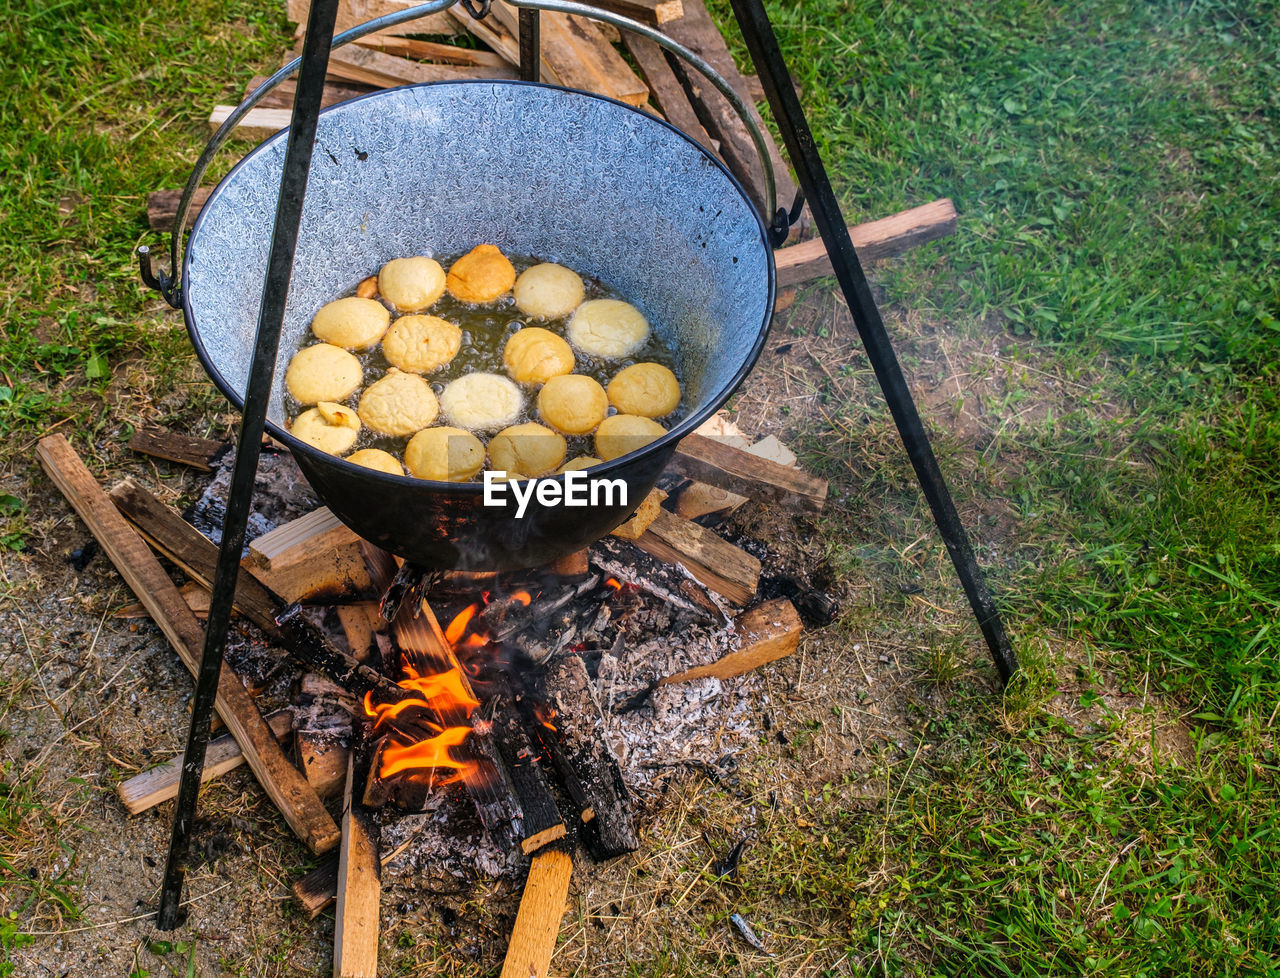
x=762, y=44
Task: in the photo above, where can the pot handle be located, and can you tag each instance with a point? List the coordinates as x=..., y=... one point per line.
x=169, y=284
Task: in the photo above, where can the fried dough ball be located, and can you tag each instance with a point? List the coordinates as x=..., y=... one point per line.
x=534, y=355
x=323, y=372
x=581, y=462
x=376, y=458
x=608, y=328
x=572, y=403
x=398, y=404
x=329, y=427
x=481, y=402
x=411, y=284
x=526, y=450
x=444, y=454
x=483, y=274
x=548, y=291
x=623, y=433
x=421, y=344
x=351, y=323
x=647, y=389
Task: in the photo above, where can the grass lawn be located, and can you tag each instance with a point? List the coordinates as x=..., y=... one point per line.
x=1116, y=169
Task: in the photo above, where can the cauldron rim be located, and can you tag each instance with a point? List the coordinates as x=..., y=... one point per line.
x=664, y=444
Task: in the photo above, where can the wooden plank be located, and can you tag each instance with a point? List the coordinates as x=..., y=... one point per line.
x=883, y=238
x=172, y=446
x=665, y=88
x=489, y=31
x=352, y=13
x=162, y=207
x=769, y=632
x=652, y=12
x=309, y=537
x=160, y=783
x=281, y=97
x=281, y=780
x=323, y=761
x=355, y=932
x=699, y=499
x=698, y=32
x=356, y=64
x=720, y=464
x=447, y=54
x=575, y=54
x=196, y=597
x=533, y=939
x=256, y=124
x=316, y=890
x=643, y=517
x=714, y=562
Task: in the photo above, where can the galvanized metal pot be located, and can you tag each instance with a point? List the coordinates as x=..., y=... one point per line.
x=570, y=177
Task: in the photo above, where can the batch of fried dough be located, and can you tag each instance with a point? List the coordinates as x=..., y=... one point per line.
x=445, y=443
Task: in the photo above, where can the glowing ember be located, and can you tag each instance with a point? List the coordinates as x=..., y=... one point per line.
x=545, y=715
x=614, y=583
x=523, y=597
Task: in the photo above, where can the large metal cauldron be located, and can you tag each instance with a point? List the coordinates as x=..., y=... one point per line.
x=569, y=177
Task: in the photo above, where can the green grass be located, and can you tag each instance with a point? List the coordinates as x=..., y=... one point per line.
x=1115, y=169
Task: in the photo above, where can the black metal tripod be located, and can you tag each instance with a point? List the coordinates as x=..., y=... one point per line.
x=763, y=46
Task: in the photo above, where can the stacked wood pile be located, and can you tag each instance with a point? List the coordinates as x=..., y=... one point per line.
x=316, y=559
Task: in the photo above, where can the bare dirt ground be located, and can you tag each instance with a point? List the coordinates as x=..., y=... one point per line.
x=91, y=699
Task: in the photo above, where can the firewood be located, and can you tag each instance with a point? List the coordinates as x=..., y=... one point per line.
x=323, y=761
x=698, y=32
x=533, y=939
x=884, y=238
x=304, y=539
x=576, y=564
x=369, y=67
x=490, y=32
x=352, y=13
x=160, y=783
x=283, y=783
x=699, y=499
x=666, y=90
x=361, y=623
x=198, y=453
x=575, y=739
x=719, y=464
x=728, y=570
x=162, y=207
x=282, y=96
x=359, y=886
x=448, y=54
x=769, y=632
x=652, y=12
x=256, y=124
x=196, y=597
x=542, y=823
x=641, y=519
x=260, y=592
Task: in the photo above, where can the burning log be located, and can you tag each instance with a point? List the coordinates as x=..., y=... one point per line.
x=572, y=731
x=542, y=821
x=286, y=787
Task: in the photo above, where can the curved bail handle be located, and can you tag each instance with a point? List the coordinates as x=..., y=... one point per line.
x=170, y=285
x=739, y=105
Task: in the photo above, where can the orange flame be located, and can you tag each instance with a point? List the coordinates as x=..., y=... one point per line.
x=523, y=597
x=428, y=754
x=614, y=583
x=458, y=627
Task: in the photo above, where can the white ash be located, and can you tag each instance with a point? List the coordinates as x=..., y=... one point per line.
x=444, y=837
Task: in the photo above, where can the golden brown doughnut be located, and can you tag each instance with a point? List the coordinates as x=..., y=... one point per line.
x=526, y=450
x=421, y=344
x=607, y=328
x=322, y=372
x=444, y=454
x=534, y=355
x=411, y=284
x=481, y=402
x=376, y=458
x=581, y=462
x=647, y=389
x=351, y=323
x=572, y=403
x=623, y=433
x=330, y=427
x=483, y=274
x=398, y=404
x=548, y=291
